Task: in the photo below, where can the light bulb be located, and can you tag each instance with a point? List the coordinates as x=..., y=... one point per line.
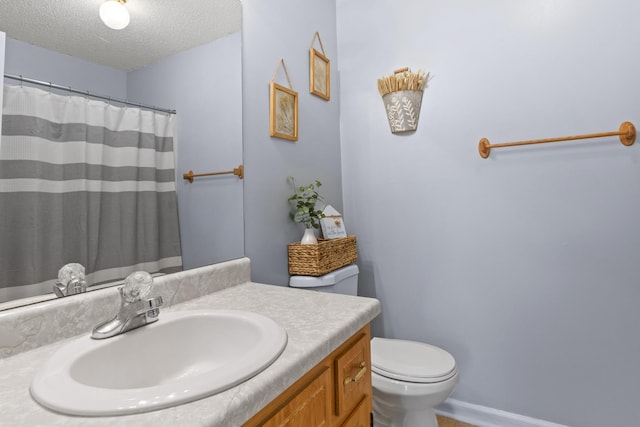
x=114, y=14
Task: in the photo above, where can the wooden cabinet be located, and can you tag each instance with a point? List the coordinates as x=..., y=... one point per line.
x=360, y=417
x=335, y=393
x=353, y=376
x=310, y=407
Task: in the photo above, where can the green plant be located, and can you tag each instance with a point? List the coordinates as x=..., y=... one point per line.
x=303, y=204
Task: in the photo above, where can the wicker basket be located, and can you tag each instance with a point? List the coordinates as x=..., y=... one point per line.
x=326, y=256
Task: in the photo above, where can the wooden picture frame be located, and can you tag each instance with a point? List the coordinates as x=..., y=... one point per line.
x=319, y=74
x=283, y=112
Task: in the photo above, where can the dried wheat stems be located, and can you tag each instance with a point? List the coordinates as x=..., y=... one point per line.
x=403, y=79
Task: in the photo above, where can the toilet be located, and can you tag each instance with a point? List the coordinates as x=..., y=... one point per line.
x=409, y=378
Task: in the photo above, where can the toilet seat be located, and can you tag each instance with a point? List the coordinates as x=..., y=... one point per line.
x=411, y=361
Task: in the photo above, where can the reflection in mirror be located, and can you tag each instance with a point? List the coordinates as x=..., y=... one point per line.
x=195, y=68
x=84, y=182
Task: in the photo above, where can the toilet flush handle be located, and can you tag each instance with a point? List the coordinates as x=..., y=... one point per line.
x=360, y=374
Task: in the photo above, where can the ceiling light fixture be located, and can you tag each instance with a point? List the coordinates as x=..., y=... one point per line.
x=114, y=14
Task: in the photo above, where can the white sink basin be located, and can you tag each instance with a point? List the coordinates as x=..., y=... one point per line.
x=182, y=357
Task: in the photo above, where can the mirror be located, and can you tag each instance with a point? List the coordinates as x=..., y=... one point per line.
x=185, y=57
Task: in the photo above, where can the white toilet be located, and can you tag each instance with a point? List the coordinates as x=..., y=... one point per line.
x=409, y=378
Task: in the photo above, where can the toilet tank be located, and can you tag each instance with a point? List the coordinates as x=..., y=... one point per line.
x=341, y=281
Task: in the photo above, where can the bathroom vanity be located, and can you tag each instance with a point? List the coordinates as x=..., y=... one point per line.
x=336, y=392
x=321, y=378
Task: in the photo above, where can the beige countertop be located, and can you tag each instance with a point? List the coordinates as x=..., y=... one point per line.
x=316, y=324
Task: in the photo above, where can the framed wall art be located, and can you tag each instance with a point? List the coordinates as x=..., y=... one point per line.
x=319, y=71
x=332, y=224
x=283, y=109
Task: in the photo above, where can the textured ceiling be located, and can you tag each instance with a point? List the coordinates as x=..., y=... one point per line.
x=158, y=28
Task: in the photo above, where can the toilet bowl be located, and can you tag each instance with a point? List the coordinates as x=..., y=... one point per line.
x=409, y=378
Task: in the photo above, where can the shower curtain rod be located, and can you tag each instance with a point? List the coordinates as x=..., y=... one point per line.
x=86, y=93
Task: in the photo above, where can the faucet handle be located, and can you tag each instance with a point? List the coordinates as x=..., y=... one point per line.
x=71, y=280
x=69, y=272
x=137, y=285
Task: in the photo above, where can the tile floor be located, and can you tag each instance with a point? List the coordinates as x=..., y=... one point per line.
x=448, y=422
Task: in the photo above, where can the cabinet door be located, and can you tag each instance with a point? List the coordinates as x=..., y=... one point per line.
x=353, y=376
x=361, y=416
x=311, y=407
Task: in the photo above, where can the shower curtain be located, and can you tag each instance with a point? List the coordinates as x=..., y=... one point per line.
x=83, y=181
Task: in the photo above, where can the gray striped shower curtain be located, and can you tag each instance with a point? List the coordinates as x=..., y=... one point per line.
x=83, y=181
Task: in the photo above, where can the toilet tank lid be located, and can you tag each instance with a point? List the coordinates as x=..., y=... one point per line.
x=328, y=279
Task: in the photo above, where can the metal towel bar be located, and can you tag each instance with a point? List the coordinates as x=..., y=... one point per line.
x=627, y=134
x=239, y=171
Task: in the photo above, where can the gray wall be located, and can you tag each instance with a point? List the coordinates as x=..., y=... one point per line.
x=273, y=30
x=46, y=65
x=525, y=265
x=204, y=85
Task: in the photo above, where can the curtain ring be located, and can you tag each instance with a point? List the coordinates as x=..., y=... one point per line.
x=21, y=81
x=50, y=87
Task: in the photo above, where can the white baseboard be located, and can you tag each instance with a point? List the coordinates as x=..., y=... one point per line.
x=483, y=416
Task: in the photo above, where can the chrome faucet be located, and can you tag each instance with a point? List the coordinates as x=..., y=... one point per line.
x=135, y=311
x=70, y=280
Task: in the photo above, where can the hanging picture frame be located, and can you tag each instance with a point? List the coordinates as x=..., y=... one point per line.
x=319, y=71
x=283, y=108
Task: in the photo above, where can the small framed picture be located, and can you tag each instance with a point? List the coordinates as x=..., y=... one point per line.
x=332, y=224
x=333, y=227
x=319, y=74
x=283, y=112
